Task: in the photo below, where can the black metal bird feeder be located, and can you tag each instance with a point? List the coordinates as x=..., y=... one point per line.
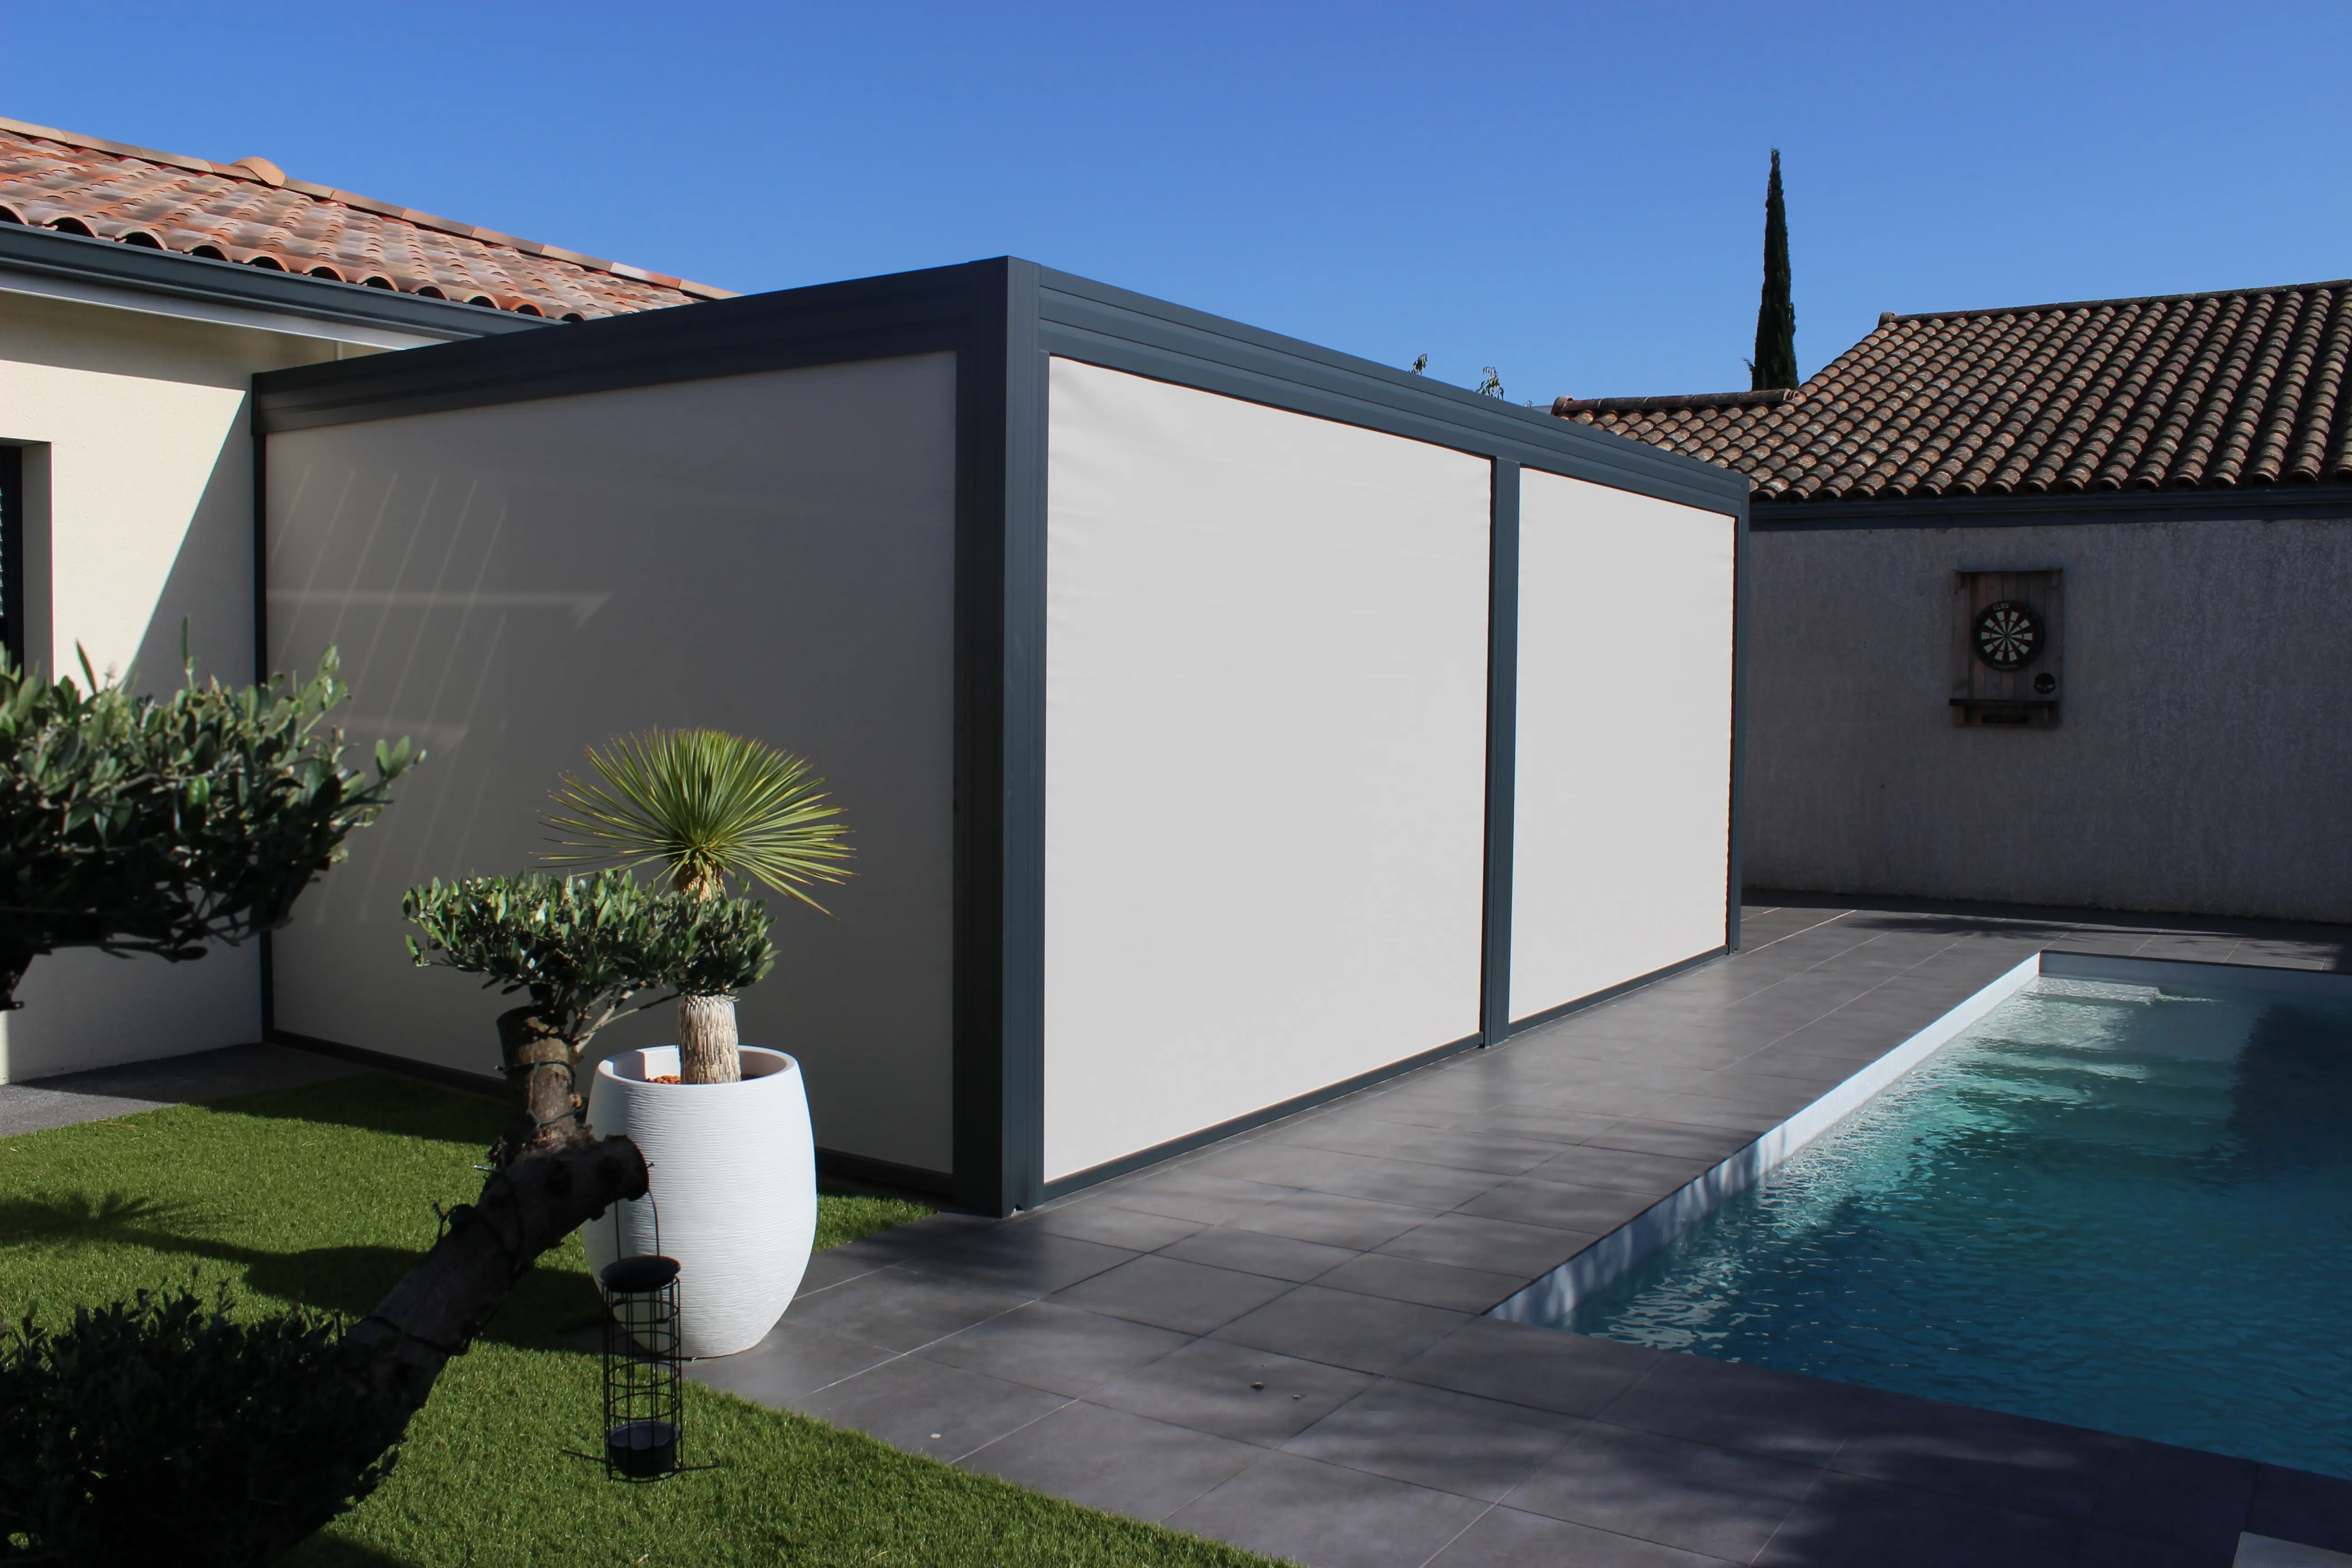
x=642, y=1337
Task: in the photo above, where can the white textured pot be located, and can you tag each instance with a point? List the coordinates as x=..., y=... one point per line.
x=733, y=1174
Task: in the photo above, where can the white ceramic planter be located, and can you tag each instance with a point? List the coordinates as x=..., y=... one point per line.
x=733, y=1174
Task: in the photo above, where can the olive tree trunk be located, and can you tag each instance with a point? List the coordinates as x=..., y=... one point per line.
x=707, y=1046
x=544, y=1115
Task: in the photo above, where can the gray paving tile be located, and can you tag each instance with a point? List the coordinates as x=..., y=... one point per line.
x=1431, y=1284
x=834, y=1265
x=1454, y=1442
x=1020, y=1257
x=1777, y=1415
x=1112, y=1226
x=1341, y=1328
x=1590, y=1166
x=1476, y=1149
x=1499, y=1246
x=1561, y=1205
x=1689, y=1495
x=2112, y=1549
x=1700, y=1110
x=98, y=1093
x=2153, y=1490
x=1061, y=1349
x=1186, y=1194
x=1505, y=1538
x=1599, y=1099
x=1255, y=1252
x=1382, y=1180
x=1568, y=1373
x=2036, y=1467
x=1109, y=1460
x=1170, y=1293
x=2295, y=1505
x=1233, y=1390
x=922, y=1407
x=901, y=1309
x=1845, y=1521
x=1335, y=1221
x=1676, y=1139
x=1285, y=1505
x=1549, y=1124
x=795, y=1359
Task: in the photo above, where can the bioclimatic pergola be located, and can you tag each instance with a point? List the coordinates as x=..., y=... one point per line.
x=1225, y=723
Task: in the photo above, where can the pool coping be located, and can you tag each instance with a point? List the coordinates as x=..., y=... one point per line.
x=1547, y=1301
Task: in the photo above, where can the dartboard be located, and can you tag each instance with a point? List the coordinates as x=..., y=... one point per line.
x=2008, y=634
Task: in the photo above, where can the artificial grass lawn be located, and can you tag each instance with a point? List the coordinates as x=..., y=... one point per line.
x=323, y=1195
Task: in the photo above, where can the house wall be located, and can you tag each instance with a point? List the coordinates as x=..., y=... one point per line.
x=2200, y=763
x=1622, y=799
x=768, y=554
x=139, y=516
x=1265, y=716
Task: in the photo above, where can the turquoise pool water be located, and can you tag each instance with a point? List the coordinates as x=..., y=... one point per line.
x=2105, y=1205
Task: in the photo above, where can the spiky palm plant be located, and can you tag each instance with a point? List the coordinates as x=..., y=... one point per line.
x=704, y=805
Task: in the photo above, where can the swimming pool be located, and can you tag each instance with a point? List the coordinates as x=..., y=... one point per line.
x=2120, y=1205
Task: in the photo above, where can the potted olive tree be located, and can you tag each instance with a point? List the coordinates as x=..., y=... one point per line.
x=724, y=1126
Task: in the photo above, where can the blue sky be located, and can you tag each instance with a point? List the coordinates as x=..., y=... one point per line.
x=1572, y=194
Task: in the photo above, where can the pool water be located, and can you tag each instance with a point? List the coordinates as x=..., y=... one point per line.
x=2105, y=1205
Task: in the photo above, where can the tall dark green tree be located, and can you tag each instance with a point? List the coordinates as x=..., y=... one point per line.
x=1775, y=363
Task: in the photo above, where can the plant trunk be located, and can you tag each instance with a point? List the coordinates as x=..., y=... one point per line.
x=15, y=959
x=543, y=1108
x=525, y=1208
x=707, y=1049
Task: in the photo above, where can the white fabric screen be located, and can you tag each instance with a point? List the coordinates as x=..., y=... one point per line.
x=771, y=554
x=1265, y=757
x=1622, y=830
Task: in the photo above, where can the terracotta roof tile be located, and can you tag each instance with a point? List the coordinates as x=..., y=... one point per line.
x=2175, y=391
x=250, y=212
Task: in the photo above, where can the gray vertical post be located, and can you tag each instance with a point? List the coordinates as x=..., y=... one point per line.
x=1502, y=750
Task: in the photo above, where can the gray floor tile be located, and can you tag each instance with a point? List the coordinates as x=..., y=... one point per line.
x=1431, y=1284
x=1480, y=1149
x=1233, y=1390
x=1777, y=1415
x=1454, y=1442
x=38, y=1104
x=2036, y=1467
x=2156, y=1491
x=1700, y=1110
x=1020, y=1257
x=923, y=1407
x=1170, y=1293
x=1560, y=1204
x=834, y=1265
x=1499, y=1246
x=1109, y=1460
x=1335, y=1221
x=1549, y=1124
x=1255, y=1252
x=1340, y=1328
x=902, y=1308
x=1328, y=1517
x=1113, y=1225
x=1061, y=1349
x=795, y=1359
x=1845, y=1521
x=1674, y=1139
x=2295, y=1505
x=1569, y=1373
x=1598, y=1099
x=1590, y=1165
x=1505, y=1538
x=1390, y=1181
x=1200, y=1195
x=1688, y=1495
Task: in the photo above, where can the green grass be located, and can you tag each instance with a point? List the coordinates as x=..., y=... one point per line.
x=323, y=1195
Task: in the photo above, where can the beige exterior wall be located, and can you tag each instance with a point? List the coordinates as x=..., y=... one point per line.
x=2201, y=763
x=139, y=514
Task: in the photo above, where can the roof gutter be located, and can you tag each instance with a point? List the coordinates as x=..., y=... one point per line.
x=106, y=272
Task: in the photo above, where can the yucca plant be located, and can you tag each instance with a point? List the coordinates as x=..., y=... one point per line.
x=705, y=806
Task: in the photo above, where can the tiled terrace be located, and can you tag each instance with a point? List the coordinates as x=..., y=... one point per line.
x=1278, y=1342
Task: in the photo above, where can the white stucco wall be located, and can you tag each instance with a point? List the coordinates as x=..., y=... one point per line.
x=2201, y=763
x=139, y=514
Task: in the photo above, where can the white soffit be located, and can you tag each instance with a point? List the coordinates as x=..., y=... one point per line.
x=1622, y=828
x=1265, y=757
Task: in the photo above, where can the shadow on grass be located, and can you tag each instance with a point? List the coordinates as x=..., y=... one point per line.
x=329, y=1551
x=349, y=1281
x=377, y=1103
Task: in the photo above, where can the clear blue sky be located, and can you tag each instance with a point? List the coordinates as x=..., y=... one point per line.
x=1570, y=193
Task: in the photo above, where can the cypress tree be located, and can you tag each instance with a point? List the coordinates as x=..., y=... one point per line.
x=1775, y=363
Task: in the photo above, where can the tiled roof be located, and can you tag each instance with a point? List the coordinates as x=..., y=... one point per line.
x=2178, y=392
x=249, y=211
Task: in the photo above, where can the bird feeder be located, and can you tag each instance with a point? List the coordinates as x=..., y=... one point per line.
x=641, y=1340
